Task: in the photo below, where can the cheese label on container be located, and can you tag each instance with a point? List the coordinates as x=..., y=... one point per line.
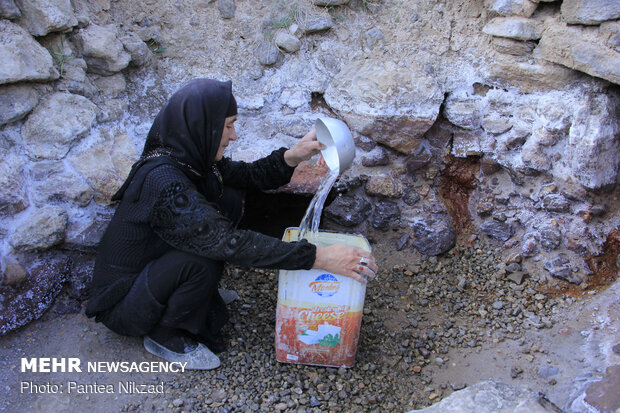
x=319, y=314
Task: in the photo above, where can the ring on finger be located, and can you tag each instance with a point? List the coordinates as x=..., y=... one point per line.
x=363, y=262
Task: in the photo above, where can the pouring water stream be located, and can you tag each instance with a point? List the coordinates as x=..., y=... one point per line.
x=309, y=227
x=338, y=154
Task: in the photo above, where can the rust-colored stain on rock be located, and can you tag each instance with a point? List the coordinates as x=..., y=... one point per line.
x=306, y=179
x=456, y=183
x=604, y=267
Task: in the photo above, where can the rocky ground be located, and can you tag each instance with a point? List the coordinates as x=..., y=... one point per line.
x=466, y=113
x=430, y=327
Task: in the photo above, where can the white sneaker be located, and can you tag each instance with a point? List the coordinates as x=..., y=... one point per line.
x=200, y=358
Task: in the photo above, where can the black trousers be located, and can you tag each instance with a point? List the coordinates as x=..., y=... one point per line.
x=178, y=290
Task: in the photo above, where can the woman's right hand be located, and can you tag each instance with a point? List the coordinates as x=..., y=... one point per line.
x=305, y=149
x=348, y=261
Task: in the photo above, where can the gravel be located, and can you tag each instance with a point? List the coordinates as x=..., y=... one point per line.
x=414, y=314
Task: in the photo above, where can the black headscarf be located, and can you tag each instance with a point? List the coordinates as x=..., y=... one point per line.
x=187, y=132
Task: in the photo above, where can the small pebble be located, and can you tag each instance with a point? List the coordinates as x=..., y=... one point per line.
x=458, y=386
x=547, y=371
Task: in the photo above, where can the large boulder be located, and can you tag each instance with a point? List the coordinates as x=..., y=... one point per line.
x=590, y=11
x=45, y=16
x=103, y=51
x=489, y=396
x=390, y=104
x=580, y=48
x=40, y=229
x=16, y=101
x=13, y=197
x=56, y=123
x=22, y=57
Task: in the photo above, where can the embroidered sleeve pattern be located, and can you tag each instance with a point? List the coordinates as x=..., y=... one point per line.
x=188, y=222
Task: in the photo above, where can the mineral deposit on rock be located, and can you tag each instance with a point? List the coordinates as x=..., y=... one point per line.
x=49, y=133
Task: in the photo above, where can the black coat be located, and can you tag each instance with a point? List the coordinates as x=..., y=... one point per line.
x=170, y=212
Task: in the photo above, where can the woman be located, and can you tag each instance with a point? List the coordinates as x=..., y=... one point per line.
x=162, y=255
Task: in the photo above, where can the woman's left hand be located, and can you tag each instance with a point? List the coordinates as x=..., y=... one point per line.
x=305, y=149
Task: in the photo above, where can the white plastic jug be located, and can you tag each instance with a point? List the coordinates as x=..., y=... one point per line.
x=319, y=314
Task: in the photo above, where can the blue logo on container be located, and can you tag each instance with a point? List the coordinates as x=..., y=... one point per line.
x=325, y=285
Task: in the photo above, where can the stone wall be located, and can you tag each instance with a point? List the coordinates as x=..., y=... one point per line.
x=495, y=118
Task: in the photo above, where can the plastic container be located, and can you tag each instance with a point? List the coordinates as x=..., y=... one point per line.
x=319, y=314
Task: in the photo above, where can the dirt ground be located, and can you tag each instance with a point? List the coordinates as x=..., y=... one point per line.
x=578, y=346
